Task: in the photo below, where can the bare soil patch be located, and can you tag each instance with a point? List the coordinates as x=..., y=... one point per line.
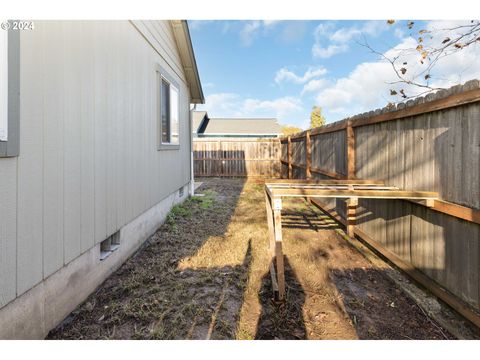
x=204, y=275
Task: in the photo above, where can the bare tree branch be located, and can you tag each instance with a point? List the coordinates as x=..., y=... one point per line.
x=431, y=46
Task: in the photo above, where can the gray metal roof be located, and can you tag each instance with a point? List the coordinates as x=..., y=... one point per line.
x=197, y=118
x=246, y=126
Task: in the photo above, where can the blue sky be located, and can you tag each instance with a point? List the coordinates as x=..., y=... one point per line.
x=282, y=68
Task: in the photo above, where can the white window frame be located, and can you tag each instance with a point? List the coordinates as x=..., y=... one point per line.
x=9, y=92
x=174, y=111
x=3, y=85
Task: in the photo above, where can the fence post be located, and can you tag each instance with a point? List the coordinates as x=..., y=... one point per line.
x=350, y=151
x=352, y=203
x=308, y=155
x=289, y=152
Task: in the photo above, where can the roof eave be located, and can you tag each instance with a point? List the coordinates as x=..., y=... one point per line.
x=187, y=55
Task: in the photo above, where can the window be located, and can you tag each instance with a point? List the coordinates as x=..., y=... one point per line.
x=3, y=85
x=168, y=112
x=9, y=92
x=165, y=114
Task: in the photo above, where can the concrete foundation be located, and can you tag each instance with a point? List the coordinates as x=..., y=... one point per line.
x=33, y=314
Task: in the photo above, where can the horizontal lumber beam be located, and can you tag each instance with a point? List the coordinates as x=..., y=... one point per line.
x=262, y=177
x=376, y=194
x=230, y=140
x=230, y=159
x=463, y=98
x=332, y=187
x=327, y=173
x=452, y=209
x=439, y=205
x=337, y=126
x=293, y=164
x=300, y=166
x=324, y=182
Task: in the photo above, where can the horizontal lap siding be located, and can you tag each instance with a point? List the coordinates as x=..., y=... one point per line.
x=8, y=229
x=88, y=160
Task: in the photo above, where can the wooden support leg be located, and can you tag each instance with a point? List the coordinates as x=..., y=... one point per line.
x=271, y=230
x=352, y=204
x=277, y=215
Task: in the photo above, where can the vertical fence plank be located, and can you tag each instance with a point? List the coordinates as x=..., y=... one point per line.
x=237, y=157
x=350, y=151
x=308, y=155
x=289, y=152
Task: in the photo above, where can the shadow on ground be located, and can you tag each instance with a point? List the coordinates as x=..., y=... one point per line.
x=152, y=296
x=282, y=320
x=204, y=275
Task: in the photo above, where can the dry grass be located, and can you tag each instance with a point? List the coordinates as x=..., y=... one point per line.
x=204, y=275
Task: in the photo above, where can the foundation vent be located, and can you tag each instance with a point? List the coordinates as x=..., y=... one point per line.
x=109, y=245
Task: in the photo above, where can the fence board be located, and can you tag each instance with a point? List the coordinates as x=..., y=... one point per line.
x=237, y=157
x=437, y=150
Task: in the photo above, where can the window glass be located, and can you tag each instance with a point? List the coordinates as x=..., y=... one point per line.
x=174, y=126
x=165, y=111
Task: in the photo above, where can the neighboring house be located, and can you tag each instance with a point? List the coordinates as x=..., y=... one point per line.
x=95, y=148
x=206, y=127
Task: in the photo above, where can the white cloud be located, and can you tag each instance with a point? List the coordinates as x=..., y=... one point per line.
x=367, y=86
x=285, y=75
x=399, y=33
x=287, y=32
x=325, y=52
x=220, y=103
x=252, y=29
x=292, y=31
x=233, y=105
x=314, y=85
x=329, y=42
x=249, y=32
x=280, y=107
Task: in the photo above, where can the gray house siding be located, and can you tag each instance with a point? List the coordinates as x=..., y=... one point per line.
x=88, y=162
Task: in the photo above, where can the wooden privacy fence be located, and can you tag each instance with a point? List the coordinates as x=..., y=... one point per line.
x=430, y=144
x=237, y=157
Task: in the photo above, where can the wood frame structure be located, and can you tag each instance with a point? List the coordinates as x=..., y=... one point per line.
x=457, y=99
x=352, y=190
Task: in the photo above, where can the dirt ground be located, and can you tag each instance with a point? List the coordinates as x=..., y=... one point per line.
x=204, y=275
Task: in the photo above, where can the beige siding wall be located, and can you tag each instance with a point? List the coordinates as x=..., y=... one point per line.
x=88, y=159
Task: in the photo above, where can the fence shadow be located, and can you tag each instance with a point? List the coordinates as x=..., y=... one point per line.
x=378, y=309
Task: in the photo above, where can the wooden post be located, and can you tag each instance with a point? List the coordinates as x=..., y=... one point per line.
x=350, y=151
x=351, y=215
x=308, y=155
x=271, y=230
x=277, y=215
x=219, y=164
x=352, y=203
x=289, y=152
